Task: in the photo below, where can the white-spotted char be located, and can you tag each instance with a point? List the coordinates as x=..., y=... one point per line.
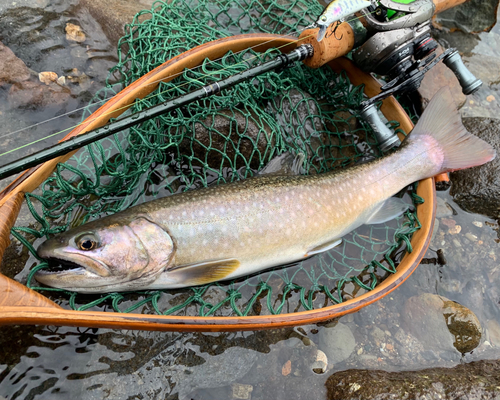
x=237, y=229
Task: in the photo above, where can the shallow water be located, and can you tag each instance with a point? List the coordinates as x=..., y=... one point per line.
x=58, y=362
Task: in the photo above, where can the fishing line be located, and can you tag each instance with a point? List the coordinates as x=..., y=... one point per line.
x=171, y=77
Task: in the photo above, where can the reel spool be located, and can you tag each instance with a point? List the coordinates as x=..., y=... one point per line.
x=401, y=48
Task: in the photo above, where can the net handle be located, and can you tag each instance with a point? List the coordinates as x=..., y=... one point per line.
x=22, y=307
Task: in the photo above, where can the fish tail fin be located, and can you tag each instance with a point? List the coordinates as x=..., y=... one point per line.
x=459, y=148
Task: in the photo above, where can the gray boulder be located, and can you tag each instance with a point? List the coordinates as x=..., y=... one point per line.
x=478, y=189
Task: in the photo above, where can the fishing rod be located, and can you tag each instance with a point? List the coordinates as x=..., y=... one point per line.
x=280, y=62
x=401, y=45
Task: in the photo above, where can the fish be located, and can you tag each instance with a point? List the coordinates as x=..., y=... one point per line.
x=337, y=10
x=237, y=229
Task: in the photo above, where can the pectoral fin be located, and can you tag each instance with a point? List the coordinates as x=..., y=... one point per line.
x=203, y=272
x=323, y=247
x=391, y=208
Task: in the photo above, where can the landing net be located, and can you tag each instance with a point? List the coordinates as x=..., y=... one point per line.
x=225, y=138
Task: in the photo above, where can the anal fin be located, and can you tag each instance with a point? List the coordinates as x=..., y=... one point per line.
x=323, y=247
x=203, y=272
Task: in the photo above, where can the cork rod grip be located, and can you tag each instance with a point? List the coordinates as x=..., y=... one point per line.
x=335, y=44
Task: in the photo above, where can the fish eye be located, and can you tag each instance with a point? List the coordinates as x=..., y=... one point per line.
x=323, y=18
x=86, y=243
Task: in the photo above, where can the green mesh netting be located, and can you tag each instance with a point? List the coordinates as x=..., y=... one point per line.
x=227, y=137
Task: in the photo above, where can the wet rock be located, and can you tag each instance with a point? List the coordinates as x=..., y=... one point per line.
x=486, y=68
x=12, y=69
x=79, y=78
x=298, y=114
x=242, y=391
x=30, y=94
x=476, y=380
x=463, y=325
x=113, y=15
x=441, y=324
x=74, y=33
x=337, y=343
x=494, y=332
x=478, y=189
x=471, y=16
x=437, y=77
x=377, y=334
x=320, y=365
x=443, y=209
x=234, y=138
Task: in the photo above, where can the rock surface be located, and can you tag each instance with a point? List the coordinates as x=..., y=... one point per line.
x=12, y=69
x=437, y=77
x=337, y=343
x=113, y=15
x=478, y=189
x=31, y=94
x=427, y=315
x=471, y=16
x=233, y=136
x=477, y=380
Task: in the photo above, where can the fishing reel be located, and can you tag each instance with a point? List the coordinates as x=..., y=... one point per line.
x=400, y=47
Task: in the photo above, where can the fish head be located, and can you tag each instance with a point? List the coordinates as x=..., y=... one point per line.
x=110, y=254
x=322, y=24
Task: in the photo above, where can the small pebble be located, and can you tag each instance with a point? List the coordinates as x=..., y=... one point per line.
x=490, y=98
x=241, y=391
x=287, y=368
x=456, y=229
x=456, y=243
x=478, y=224
x=389, y=347
x=320, y=365
x=470, y=236
x=47, y=77
x=450, y=223
x=360, y=351
x=74, y=33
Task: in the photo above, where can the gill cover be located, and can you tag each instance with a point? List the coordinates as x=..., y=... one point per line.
x=110, y=254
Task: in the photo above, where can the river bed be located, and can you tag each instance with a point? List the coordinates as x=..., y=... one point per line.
x=46, y=362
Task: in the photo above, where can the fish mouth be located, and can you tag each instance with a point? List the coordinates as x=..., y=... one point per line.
x=59, y=266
